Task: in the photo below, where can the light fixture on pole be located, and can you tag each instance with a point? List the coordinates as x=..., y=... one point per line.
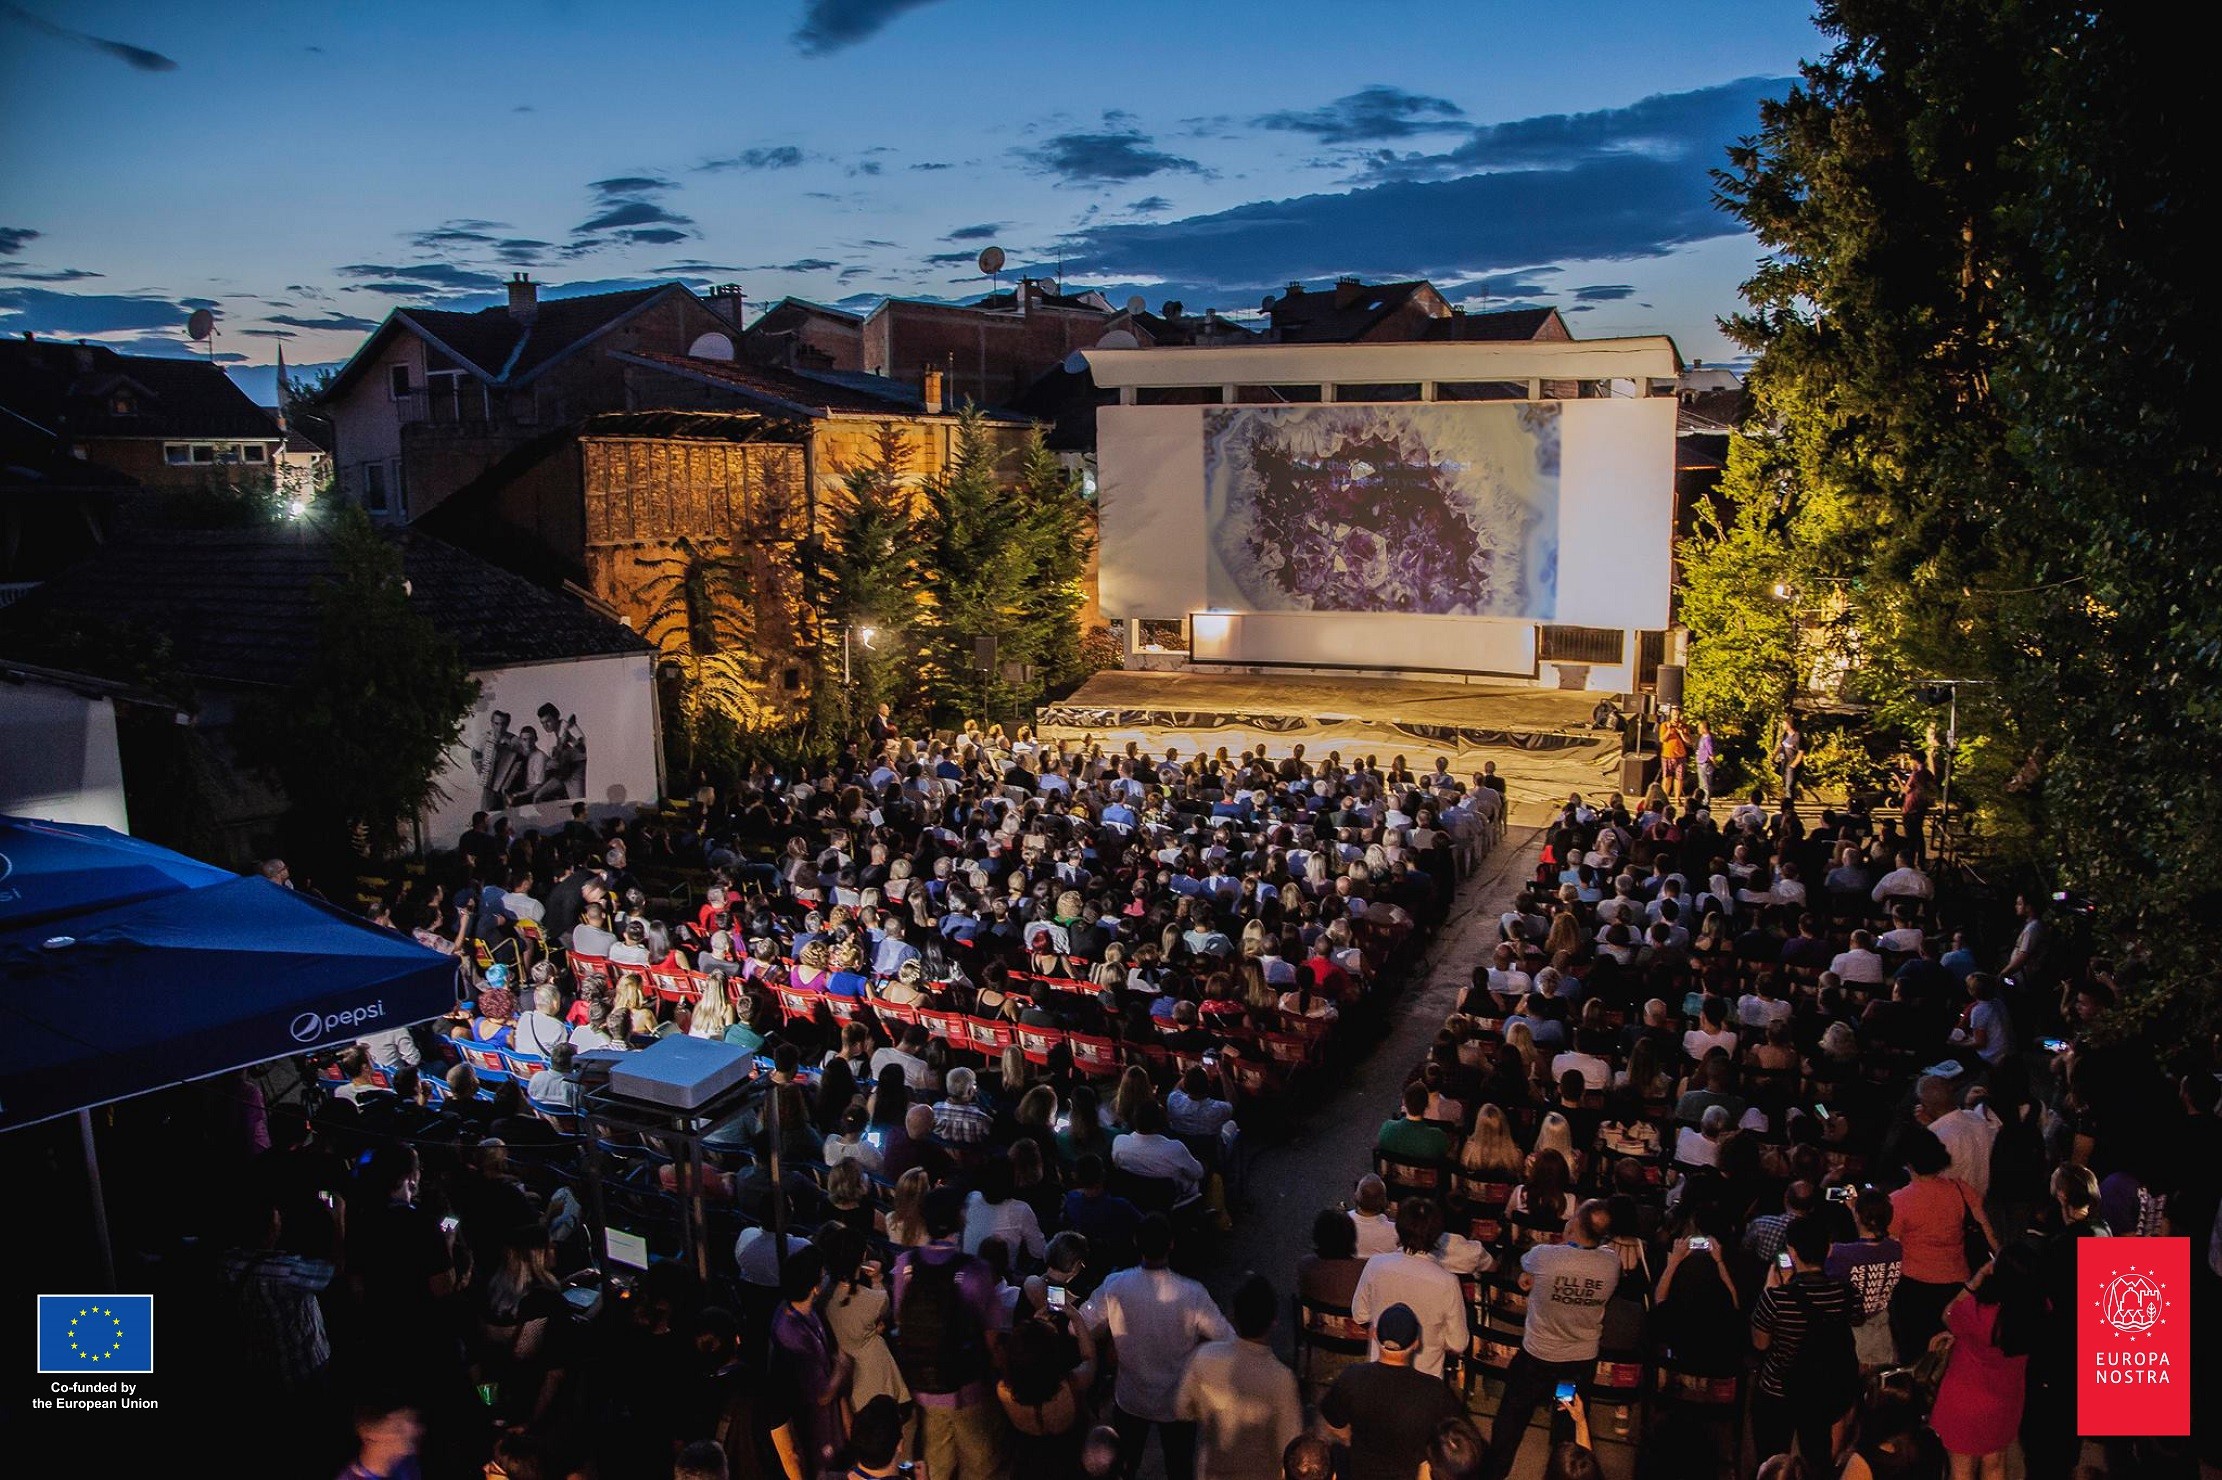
x=1947, y=692
x=863, y=633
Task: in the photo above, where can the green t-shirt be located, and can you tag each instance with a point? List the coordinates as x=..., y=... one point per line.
x=1412, y=1140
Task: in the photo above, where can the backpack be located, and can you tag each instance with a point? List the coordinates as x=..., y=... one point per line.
x=939, y=1343
x=1824, y=1370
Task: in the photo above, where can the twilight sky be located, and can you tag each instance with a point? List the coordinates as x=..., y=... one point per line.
x=303, y=168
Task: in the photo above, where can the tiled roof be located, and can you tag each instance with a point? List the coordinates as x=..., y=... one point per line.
x=1301, y=317
x=1709, y=412
x=1505, y=324
x=501, y=348
x=797, y=392
x=72, y=390
x=237, y=606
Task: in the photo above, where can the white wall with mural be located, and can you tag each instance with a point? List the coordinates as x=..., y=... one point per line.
x=547, y=735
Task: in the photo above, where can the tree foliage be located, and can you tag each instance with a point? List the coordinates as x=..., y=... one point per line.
x=358, y=738
x=864, y=573
x=1981, y=424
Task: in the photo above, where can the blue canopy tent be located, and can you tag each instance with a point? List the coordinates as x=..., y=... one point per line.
x=176, y=972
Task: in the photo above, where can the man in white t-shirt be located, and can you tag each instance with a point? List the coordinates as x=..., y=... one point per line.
x=1569, y=1286
x=1409, y=1275
x=1903, y=882
x=1966, y=1133
x=1155, y=1320
x=1376, y=1230
x=1860, y=965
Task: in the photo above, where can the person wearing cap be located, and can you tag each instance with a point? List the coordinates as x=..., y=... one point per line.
x=1569, y=1286
x=1409, y=1276
x=1386, y=1410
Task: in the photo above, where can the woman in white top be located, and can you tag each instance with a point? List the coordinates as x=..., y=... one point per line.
x=995, y=1212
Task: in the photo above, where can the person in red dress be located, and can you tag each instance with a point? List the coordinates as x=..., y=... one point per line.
x=1991, y=1325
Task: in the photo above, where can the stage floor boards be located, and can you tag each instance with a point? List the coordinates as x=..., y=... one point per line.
x=1539, y=738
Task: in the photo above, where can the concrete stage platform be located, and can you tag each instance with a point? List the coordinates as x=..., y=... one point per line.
x=1539, y=738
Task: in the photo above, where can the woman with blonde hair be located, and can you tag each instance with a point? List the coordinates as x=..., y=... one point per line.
x=813, y=967
x=713, y=1012
x=631, y=999
x=1521, y=1041
x=1490, y=1152
x=1555, y=1134
x=1257, y=993
x=1135, y=1091
x=906, y=1216
x=1567, y=937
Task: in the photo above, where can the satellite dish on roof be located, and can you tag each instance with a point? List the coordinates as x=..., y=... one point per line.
x=1137, y=304
x=1268, y=301
x=200, y=325
x=712, y=346
x=991, y=260
x=1076, y=363
x=1118, y=339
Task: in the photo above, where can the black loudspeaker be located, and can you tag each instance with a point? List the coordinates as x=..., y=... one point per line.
x=1668, y=686
x=1635, y=772
x=983, y=654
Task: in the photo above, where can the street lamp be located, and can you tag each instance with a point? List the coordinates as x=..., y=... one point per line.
x=864, y=635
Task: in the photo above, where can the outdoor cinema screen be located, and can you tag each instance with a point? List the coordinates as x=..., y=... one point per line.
x=1527, y=511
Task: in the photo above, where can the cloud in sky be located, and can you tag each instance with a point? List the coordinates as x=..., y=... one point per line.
x=267, y=333
x=829, y=26
x=626, y=212
x=805, y=264
x=441, y=276
x=1369, y=115
x=123, y=51
x=48, y=274
x=624, y=187
x=766, y=157
x=1112, y=156
x=1664, y=126
x=45, y=311
x=340, y=322
x=1604, y=292
x=985, y=231
x=1149, y=205
x=1614, y=185
x=950, y=259
x=13, y=239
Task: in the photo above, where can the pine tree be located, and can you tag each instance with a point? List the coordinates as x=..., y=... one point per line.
x=864, y=574
x=977, y=571
x=1058, y=527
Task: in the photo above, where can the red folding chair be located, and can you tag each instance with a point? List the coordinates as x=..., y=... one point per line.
x=905, y=1013
x=1096, y=1058
x=675, y=984
x=1286, y=1049
x=592, y=974
x=798, y=1004
x=947, y=1026
x=1038, y=1043
x=988, y=1037
x=845, y=1010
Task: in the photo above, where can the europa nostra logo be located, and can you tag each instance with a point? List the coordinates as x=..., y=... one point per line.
x=2133, y=1336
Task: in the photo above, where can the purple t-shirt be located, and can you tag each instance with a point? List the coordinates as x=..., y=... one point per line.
x=981, y=1291
x=1871, y=1266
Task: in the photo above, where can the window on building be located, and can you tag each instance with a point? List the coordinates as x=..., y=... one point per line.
x=227, y=452
x=1178, y=395
x=254, y=452
x=204, y=452
x=374, y=487
x=400, y=487
x=1404, y=390
x=177, y=454
x=1275, y=395
x=398, y=376
x=1481, y=390
x=121, y=404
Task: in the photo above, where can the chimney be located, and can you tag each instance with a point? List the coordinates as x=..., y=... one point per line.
x=524, y=297
x=930, y=390
x=727, y=301
x=1347, y=291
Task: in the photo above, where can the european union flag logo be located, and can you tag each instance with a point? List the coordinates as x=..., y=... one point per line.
x=96, y=1333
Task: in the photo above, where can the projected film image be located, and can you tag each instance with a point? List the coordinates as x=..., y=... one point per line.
x=1442, y=509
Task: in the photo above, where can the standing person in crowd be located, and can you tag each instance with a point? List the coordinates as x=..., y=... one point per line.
x=1871, y=1263
x=2048, y=1442
x=1809, y=1367
x=1789, y=756
x=1410, y=1276
x=1384, y=1409
x=948, y=1318
x=1569, y=1285
x=1992, y=1325
x=1242, y=1398
x=1936, y=1220
x=1706, y=757
x=1154, y=1320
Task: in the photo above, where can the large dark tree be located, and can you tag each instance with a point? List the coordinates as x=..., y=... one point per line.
x=1982, y=427
x=862, y=577
x=358, y=738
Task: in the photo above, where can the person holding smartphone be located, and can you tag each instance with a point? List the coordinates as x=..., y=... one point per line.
x=1569, y=1285
x=1809, y=1365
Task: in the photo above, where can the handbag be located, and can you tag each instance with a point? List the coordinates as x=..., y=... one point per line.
x=1927, y=1370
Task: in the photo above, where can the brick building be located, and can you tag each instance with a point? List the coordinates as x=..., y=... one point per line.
x=436, y=398
x=163, y=423
x=989, y=351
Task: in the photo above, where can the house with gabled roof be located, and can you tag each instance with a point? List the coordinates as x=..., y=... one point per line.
x=435, y=397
